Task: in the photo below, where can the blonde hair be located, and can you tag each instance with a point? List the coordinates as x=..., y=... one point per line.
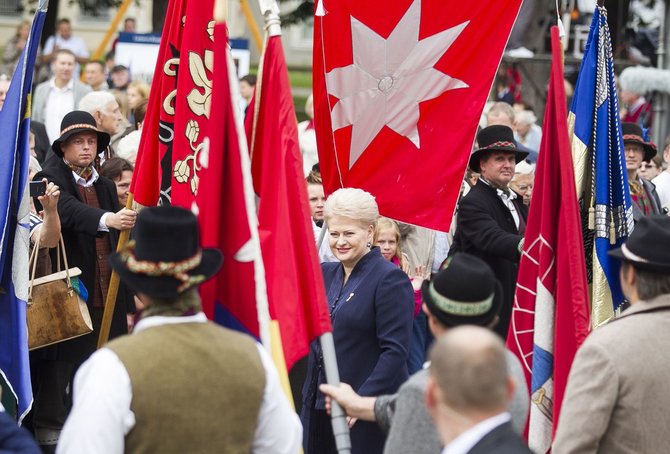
x=352, y=203
x=142, y=88
x=389, y=224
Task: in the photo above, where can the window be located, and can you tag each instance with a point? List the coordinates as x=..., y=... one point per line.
x=10, y=7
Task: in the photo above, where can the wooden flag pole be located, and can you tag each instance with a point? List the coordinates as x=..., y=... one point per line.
x=255, y=32
x=113, y=290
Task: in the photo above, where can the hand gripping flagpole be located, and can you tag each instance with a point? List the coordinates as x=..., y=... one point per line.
x=270, y=11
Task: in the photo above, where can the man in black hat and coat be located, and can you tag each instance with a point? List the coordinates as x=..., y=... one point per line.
x=179, y=383
x=618, y=392
x=491, y=219
x=642, y=191
x=90, y=224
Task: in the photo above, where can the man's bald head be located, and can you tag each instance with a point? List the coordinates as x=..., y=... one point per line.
x=469, y=367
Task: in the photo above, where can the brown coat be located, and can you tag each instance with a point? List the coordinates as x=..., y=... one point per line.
x=618, y=394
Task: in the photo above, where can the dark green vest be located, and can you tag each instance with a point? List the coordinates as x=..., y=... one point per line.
x=197, y=388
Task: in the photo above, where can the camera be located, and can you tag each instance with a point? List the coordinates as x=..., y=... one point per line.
x=38, y=188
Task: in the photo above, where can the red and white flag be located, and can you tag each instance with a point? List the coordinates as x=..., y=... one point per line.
x=236, y=296
x=550, y=314
x=153, y=166
x=296, y=294
x=399, y=88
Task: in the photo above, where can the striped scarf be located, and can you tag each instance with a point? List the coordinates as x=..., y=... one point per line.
x=640, y=196
x=84, y=172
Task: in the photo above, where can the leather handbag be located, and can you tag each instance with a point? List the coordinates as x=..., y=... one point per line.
x=56, y=312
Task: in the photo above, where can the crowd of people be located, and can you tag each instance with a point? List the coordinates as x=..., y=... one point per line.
x=419, y=316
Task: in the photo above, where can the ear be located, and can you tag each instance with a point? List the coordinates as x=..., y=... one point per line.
x=431, y=396
x=371, y=232
x=511, y=387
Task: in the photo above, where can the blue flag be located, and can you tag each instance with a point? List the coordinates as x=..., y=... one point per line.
x=14, y=227
x=600, y=172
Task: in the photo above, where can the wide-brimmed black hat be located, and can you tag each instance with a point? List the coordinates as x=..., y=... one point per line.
x=647, y=247
x=166, y=258
x=632, y=133
x=75, y=122
x=495, y=138
x=466, y=292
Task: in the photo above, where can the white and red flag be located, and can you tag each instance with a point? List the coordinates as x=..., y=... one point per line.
x=399, y=88
x=550, y=315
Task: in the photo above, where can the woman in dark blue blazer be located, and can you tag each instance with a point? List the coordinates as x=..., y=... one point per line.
x=371, y=305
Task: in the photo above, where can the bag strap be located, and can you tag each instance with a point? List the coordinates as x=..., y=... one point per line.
x=32, y=263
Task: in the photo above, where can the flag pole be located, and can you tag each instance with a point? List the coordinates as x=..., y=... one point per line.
x=270, y=11
x=113, y=290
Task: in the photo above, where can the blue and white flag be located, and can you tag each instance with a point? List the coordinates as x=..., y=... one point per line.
x=600, y=172
x=14, y=223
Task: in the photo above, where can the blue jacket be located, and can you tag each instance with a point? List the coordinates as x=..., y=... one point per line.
x=372, y=317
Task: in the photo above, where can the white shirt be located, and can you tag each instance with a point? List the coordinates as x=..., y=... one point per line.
x=662, y=183
x=102, y=223
x=101, y=416
x=468, y=439
x=60, y=102
x=506, y=198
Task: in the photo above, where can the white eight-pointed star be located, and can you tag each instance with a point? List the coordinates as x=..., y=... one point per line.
x=388, y=80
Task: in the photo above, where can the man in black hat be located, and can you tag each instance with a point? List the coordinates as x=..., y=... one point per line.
x=90, y=223
x=449, y=300
x=618, y=392
x=491, y=219
x=642, y=191
x=179, y=383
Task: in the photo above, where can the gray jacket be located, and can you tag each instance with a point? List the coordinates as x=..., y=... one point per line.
x=411, y=429
x=41, y=95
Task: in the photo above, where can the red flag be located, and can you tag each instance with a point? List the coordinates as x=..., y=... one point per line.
x=226, y=209
x=153, y=163
x=296, y=294
x=550, y=314
x=399, y=88
x=194, y=95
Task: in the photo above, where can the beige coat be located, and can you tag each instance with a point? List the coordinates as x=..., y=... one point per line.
x=618, y=394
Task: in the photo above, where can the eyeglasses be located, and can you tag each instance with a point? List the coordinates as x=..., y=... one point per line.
x=647, y=166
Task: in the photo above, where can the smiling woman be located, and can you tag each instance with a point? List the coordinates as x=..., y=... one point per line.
x=371, y=308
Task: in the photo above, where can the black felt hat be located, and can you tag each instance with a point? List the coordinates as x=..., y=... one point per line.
x=648, y=247
x=632, y=133
x=75, y=122
x=495, y=138
x=466, y=292
x=166, y=258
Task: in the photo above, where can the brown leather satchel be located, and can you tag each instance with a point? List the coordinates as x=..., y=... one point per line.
x=55, y=311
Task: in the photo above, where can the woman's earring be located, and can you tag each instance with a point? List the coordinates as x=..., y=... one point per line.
x=369, y=245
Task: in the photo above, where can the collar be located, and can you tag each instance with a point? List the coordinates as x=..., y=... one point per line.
x=81, y=181
x=660, y=302
x=69, y=86
x=160, y=320
x=468, y=439
x=505, y=193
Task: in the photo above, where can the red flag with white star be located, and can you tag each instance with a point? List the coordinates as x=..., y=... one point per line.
x=399, y=88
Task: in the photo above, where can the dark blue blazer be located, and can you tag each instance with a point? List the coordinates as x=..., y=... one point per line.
x=372, y=317
x=15, y=439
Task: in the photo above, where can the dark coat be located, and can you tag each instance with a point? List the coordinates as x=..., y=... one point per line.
x=372, y=317
x=485, y=228
x=15, y=439
x=656, y=206
x=79, y=226
x=501, y=440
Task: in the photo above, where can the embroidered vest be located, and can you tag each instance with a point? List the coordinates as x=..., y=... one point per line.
x=196, y=388
x=103, y=272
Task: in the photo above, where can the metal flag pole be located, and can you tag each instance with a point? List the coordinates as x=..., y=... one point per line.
x=270, y=11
